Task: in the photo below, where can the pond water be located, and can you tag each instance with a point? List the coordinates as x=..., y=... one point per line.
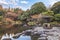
x=52, y=34
x=23, y=38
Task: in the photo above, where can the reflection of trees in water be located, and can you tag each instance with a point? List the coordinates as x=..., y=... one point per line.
x=35, y=37
x=13, y=29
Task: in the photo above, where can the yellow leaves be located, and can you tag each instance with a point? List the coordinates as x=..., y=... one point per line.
x=31, y=23
x=18, y=22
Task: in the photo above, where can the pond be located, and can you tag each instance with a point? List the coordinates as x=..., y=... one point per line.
x=49, y=34
x=23, y=38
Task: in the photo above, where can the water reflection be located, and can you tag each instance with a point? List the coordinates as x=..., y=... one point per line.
x=23, y=37
x=51, y=34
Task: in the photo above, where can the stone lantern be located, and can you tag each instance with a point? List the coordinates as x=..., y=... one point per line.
x=46, y=19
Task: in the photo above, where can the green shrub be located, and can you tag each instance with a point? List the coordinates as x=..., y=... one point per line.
x=18, y=22
x=48, y=13
x=57, y=17
x=31, y=23
x=54, y=23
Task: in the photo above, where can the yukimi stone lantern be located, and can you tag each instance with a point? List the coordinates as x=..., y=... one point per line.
x=46, y=20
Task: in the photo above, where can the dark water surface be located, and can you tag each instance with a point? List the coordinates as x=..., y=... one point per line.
x=52, y=34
